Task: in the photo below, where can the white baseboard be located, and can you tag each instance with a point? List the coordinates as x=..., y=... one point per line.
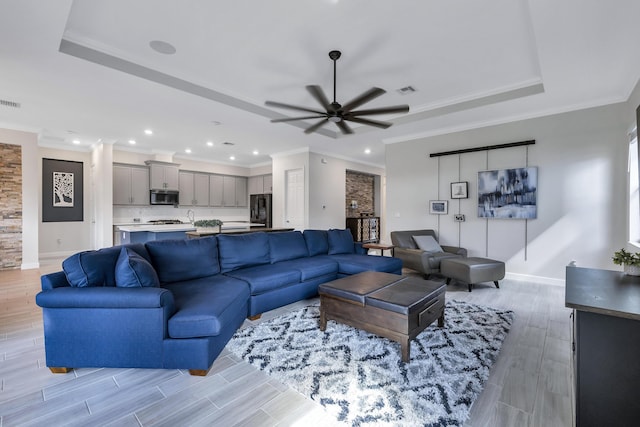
x=29, y=265
x=536, y=279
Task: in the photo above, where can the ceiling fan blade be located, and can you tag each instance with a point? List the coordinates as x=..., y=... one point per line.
x=318, y=95
x=367, y=96
x=369, y=122
x=290, y=119
x=344, y=127
x=317, y=126
x=292, y=107
x=382, y=110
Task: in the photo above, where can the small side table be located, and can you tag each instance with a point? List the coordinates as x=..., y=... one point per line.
x=381, y=246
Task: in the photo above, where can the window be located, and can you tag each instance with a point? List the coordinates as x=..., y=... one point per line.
x=634, y=190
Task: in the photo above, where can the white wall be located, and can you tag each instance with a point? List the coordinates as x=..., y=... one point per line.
x=30, y=194
x=281, y=164
x=327, y=178
x=581, y=159
x=100, y=195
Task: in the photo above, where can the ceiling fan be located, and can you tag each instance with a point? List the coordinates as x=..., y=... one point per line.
x=340, y=114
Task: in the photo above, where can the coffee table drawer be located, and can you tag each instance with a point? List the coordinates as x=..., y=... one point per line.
x=431, y=312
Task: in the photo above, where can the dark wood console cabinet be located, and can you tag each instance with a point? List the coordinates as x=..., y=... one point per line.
x=606, y=346
x=364, y=229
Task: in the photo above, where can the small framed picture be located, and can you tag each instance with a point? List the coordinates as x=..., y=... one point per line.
x=438, y=207
x=459, y=190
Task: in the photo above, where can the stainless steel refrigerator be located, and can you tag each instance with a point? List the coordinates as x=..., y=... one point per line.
x=261, y=209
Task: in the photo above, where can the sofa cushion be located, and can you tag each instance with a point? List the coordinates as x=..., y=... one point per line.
x=243, y=250
x=313, y=267
x=264, y=278
x=340, y=241
x=427, y=243
x=96, y=268
x=206, y=306
x=354, y=264
x=133, y=271
x=287, y=245
x=317, y=242
x=185, y=259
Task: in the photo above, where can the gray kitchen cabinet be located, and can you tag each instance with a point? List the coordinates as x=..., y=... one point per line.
x=228, y=191
x=194, y=188
x=241, y=196
x=130, y=185
x=260, y=184
x=268, y=184
x=215, y=190
x=164, y=176
x=255, y=184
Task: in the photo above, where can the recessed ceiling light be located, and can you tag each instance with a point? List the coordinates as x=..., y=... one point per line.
x=232, y=157
x=162, y=47
x=367, y=151
x=188, y=151
x=256, y=152
x=132, y=141
x=75, y=141
x=209, y=144
x=148, y=132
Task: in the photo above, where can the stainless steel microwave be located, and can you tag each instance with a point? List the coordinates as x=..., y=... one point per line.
x=164, y=197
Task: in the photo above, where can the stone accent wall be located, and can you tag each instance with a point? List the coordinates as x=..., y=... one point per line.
x=10, y=206
x=361, y=188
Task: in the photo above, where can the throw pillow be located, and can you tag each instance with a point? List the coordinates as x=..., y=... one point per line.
x=340, y=242
x=133, y=271
x=427, y=243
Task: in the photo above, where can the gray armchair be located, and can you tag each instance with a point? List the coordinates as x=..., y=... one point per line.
x=426, y=262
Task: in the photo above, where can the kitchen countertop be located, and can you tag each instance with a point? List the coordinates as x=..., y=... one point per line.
x=611, y=293
x=159, y=228
x=165, y=228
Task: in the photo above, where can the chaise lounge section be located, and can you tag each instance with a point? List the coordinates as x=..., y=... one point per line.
x=175, y=304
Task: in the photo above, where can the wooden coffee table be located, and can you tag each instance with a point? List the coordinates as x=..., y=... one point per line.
x=389, y=305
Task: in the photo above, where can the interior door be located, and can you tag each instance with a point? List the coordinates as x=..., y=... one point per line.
x=294, y=199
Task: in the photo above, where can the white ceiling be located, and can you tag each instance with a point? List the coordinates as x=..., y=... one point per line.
x=84, y=69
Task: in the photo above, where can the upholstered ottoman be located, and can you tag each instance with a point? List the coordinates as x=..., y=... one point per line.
x=472, y=270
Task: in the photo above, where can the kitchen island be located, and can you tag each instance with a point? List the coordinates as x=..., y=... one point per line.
x=147, y=232
x=204, y=232
x=141, y=233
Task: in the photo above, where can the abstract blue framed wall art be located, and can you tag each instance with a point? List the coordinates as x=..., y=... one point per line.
x=508, y=193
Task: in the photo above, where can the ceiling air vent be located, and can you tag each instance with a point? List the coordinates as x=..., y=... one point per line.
x=12, y=104
x=406, y=90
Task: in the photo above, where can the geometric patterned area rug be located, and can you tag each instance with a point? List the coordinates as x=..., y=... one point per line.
x=359, y=377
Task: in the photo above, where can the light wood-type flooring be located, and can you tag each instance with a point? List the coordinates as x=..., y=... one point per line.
x=529, y=384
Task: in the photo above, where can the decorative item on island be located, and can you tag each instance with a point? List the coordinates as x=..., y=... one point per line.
x=629, y=261
x=208, y=224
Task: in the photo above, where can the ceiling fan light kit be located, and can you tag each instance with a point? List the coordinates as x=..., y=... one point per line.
x=335, y=112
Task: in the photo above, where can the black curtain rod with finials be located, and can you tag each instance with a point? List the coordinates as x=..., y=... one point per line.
x=485, y=148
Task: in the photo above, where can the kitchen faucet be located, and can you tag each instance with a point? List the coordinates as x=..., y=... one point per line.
x=191, y=215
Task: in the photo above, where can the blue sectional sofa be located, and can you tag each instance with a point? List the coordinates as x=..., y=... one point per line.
x=176, y=303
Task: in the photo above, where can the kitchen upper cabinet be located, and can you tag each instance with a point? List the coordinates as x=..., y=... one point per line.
x=228, y=191
x=215, y=190
x=242, y=198
x=261, y=184
x=194, y=189
x=164, y=176
x=130, y=185
x=268, y=184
